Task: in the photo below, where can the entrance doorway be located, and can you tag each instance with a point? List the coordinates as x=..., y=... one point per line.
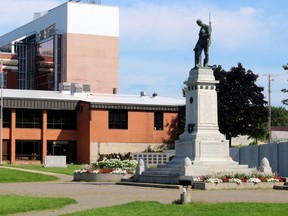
x=64, y=148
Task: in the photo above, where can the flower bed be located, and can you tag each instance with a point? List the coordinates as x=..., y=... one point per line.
x=229, y=186
x=106, y=170
x=252, y=180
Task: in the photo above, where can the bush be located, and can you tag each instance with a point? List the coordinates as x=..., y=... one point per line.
x=112, y=165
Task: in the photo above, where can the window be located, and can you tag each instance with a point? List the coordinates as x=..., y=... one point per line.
x=158, y=120
x=45, y=65
x=3, y=79
x=6, y=117
x=118, y=119
x=61, y=119
x=28, y=118
x=28, y=150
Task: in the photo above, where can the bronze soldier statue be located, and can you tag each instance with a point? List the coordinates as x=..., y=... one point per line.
x=203, y=43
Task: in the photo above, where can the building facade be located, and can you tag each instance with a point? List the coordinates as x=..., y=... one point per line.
x=74, y=42
x=82, y=125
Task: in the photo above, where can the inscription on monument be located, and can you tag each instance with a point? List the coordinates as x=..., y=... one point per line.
x=212, y=150
x=207, y=115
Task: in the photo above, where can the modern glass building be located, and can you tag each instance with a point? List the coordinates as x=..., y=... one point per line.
x=76, y=42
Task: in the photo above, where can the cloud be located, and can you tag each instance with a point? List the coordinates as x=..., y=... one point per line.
x=156, y=25
x=171, y=26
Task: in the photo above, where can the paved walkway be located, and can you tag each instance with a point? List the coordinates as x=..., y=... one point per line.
x=95, y=195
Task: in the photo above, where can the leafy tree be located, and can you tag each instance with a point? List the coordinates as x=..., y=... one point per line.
x=285, y=90
x=279, y=116
x=241, y=104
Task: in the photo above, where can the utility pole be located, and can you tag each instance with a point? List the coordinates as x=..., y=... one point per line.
x=269, y=104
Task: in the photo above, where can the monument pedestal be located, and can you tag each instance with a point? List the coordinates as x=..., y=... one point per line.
x=201, y=149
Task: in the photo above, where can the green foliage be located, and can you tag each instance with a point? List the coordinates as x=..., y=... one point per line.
x=115, y=156
x=254, y=142
x=9, y=175
x=113, y=165
x=194, y=208
x=253, y=174
x=11, y=204
x=279, y=116
x=241, y=104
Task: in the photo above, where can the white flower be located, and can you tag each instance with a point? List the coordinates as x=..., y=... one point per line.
x=197, y=179
x=77, y=171
x=119, y=171
x=254, y=180
x=214, y=180
x=117, y=165
x=235, y=180
x=272, y=180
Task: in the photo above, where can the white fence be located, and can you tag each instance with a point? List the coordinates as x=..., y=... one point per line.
x=154, y=158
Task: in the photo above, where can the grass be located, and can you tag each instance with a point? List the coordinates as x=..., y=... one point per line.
x=11, y=204
x=9, y=176
x=193, y=209
x=68, y=171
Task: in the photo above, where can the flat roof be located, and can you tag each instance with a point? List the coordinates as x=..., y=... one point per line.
x=97, y=100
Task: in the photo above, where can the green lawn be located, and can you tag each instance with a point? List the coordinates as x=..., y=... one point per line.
x=9, y=175
x=14, y=204
x=193, y=209
x=68, y=171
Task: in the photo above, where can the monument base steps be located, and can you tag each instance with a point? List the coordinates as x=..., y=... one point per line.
x=173, y=170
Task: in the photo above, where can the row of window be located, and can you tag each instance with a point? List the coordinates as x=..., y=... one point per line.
x=65, y=119
x=118, y=119
x=30, y=118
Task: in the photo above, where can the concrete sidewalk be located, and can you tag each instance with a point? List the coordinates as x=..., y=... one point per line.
x=95, y=195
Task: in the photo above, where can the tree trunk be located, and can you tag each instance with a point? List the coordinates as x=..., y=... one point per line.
x=230, y=140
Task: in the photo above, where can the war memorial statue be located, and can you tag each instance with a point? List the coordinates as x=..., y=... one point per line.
x=203, y=43
x=201, y=149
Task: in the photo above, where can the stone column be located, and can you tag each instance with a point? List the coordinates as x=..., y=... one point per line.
x=201, y=140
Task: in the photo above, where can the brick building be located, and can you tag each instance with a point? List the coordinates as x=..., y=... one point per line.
x=82, y=125
x=76, y=42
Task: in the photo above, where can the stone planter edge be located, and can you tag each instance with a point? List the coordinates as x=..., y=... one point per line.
x=227, y=186
x=99, y=177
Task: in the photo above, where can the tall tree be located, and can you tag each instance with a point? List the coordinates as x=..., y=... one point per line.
x=279, y=116
x=285, y=90
x=241, y=104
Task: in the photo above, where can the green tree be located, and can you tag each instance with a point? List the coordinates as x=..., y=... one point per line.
x=285, y=90
x=241, y=104
x=279, y=116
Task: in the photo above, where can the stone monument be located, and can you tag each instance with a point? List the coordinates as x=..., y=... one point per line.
x=201, y=149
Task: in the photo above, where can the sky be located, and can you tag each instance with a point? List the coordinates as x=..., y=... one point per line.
x=157, y=38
